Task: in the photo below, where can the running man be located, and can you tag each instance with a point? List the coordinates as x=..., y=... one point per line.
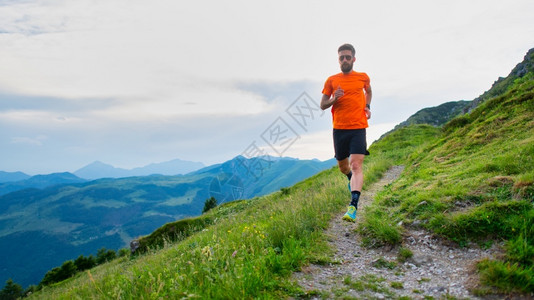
x=349, y=94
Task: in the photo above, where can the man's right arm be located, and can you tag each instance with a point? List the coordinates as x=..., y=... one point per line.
x=326, y=102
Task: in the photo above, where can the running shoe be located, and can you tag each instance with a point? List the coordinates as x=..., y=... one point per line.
x=350, y=215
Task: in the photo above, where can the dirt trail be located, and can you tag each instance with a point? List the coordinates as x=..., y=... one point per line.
x=437, y=269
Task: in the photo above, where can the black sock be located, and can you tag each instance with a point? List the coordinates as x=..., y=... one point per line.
x=355, y=198
x=349, y=176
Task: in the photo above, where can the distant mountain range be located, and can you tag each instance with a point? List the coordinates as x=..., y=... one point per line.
x=15, y=181
x=99, y=169
x=12, y=176
x=53, y=218
x=39, y=182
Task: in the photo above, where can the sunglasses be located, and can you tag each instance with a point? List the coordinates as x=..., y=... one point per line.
x=347, y=57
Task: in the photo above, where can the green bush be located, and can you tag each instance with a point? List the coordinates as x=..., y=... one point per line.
x=67, y=270
x=209, y=204
x=11, y=291
x=84, y=263
x=104, y=255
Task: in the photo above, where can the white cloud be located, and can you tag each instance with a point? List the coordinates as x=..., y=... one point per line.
x=31, y=141
x=172, y=78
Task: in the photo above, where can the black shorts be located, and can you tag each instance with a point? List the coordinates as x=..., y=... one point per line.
x=349, y=141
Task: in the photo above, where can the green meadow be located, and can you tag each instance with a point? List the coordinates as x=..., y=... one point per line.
x=470, y=181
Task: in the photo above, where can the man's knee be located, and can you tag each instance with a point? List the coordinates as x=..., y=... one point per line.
x=355, y=167
x=356, y=163
x=344, y=166
x=345, y=169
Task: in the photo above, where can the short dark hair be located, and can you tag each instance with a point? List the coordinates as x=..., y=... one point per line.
x=347, y=47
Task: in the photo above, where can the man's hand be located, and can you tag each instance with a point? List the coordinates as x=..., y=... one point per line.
x=328, y=101
x=368, y=113
x=338, y=93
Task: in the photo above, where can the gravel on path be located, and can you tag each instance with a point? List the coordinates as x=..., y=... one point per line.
x=437, y=269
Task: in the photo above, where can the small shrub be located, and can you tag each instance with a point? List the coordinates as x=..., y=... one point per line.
x=382, y=263
x=285, y=191
x=404, y=254
x=209, y=204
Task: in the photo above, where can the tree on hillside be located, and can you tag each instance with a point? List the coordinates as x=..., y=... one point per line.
x=84, y=263
x=123, y=252
x=11, y=291
x=67, y=270
x=104, y=255
x=209, y=204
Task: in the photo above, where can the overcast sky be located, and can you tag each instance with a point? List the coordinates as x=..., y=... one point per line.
x=130, y=83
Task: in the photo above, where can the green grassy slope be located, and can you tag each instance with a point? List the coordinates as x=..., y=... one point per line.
x=68, y=220
x=252, y=246
x=471, y=181
x=247, y=249
x=473, y=184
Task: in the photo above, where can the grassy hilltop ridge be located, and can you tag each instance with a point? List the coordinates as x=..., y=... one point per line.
x=471, y=181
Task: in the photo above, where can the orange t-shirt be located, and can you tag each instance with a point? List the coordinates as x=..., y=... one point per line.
x=349, y=111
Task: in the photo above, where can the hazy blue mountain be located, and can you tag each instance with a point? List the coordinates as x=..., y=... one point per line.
x=99, y=169
x=40, y=228
x=40, y=182
x=173, y=167
x=12, y=176
x=260, y=176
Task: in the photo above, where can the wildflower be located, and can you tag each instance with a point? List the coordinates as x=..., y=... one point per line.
x=234, y=254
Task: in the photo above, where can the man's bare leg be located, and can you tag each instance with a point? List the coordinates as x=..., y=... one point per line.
x=356, y=166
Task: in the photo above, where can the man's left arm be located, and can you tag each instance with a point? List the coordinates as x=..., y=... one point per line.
x=368, y=97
